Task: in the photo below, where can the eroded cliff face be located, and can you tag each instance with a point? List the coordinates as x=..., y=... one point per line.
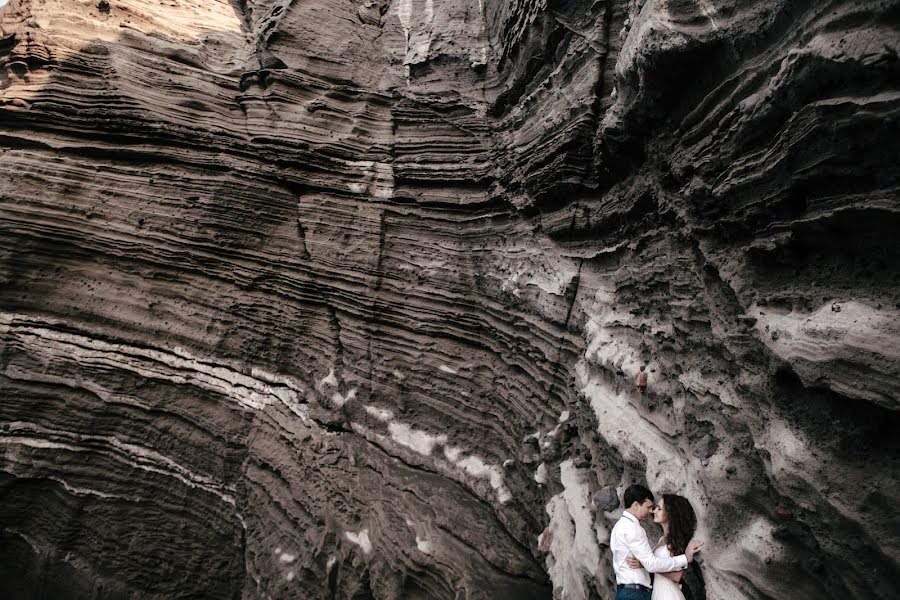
x=344, y=299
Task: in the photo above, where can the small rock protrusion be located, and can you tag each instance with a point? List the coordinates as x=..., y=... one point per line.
x=541, y=474
x=783, y=513
x=582, y=461
x=103, y=6
x=835, y=307
x=795, y=531
x=268, y=60
x=550, y=449
x=748, y=320
x=546, y=541
x=705, y=447
x=607, y=499
x=531, y=452
x=640, y=380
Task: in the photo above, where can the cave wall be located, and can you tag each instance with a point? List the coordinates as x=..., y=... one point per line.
x=344, y=299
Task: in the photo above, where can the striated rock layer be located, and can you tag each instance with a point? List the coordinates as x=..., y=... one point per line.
x=344, y=298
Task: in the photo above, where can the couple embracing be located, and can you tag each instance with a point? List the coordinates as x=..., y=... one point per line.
x=634, y=559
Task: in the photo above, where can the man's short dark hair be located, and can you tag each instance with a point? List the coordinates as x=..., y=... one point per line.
x=637, y=493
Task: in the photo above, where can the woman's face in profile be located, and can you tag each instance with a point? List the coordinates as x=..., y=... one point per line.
x=659, y=513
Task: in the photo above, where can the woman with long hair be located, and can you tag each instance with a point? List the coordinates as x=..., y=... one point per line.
x=679, y=522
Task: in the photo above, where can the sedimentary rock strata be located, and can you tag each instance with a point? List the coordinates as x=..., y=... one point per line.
x=346, y=299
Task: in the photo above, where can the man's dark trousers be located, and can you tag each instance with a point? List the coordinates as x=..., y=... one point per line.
x=632, y=594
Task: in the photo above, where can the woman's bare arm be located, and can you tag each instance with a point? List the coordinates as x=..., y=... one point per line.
x=673, y=575
x=636, y=564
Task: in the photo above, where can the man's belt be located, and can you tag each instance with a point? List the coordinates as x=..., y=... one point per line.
x=632, y=586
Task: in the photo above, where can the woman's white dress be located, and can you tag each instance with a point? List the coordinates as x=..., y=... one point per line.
x=663, y=587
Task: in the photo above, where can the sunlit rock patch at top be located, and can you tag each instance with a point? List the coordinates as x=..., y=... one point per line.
x=345, y=299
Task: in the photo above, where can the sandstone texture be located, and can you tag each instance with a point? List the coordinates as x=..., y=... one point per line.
x=345, y=298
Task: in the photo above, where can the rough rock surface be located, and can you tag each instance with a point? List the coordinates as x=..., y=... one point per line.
x=345, y=298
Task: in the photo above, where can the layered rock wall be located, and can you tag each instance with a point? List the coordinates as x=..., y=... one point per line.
x=344, y=299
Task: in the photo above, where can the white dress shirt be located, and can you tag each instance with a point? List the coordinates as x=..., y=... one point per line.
x=628, y=536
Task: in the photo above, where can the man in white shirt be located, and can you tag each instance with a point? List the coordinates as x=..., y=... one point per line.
x=628, y=536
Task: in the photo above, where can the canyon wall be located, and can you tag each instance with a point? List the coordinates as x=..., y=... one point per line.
x=345, y=298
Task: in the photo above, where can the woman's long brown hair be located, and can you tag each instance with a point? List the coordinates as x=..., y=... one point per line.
x=682, y=523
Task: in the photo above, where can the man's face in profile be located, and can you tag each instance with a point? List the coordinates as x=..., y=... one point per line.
x=646, y=509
